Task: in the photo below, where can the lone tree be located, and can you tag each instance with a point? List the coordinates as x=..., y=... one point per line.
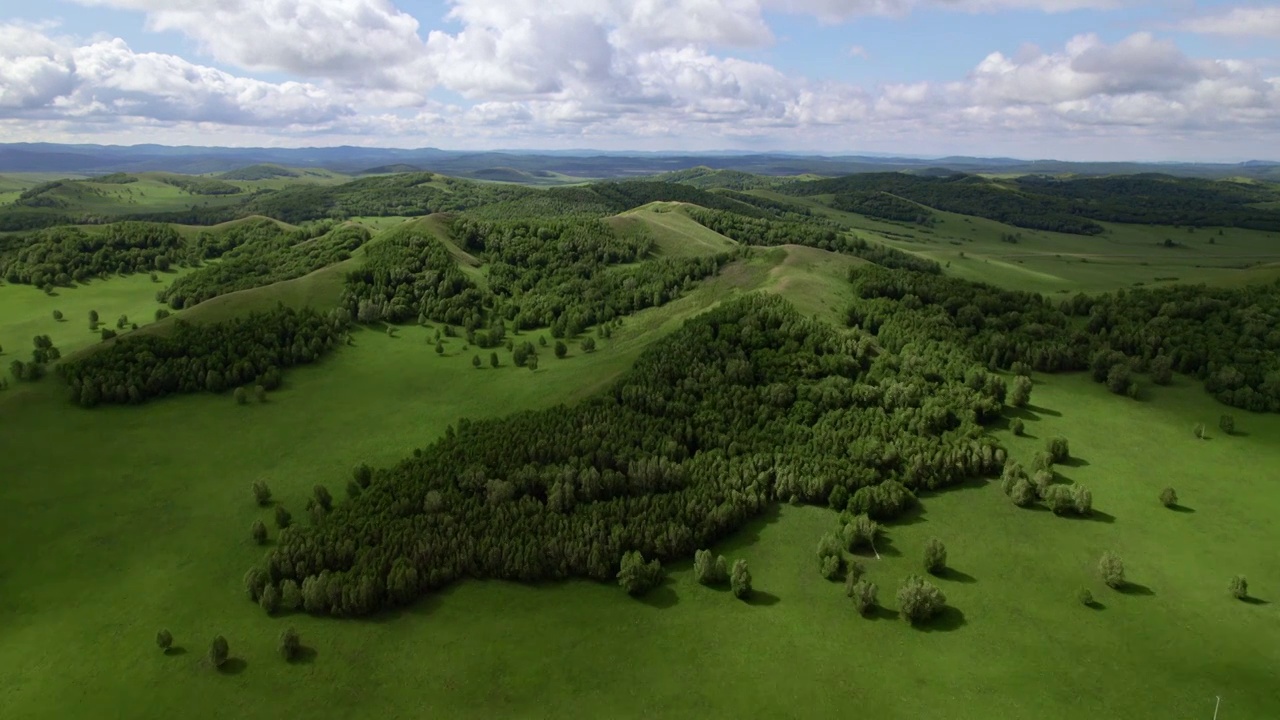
x=1239, y=587
x=242, y=397
x=1111, y=568
x=261, y=493
x=218, y=651
x=561, y=349
x=475, y=361
x=260, y=393
x=57, y=315
x=935, y=556
x=1017, y=427
x=493, y=359
x=708, y=569
x=283, y=518
x=1227, y=424
x=1020, y=393
x=919, y=600
x=1085, y=596
x=1058, y=449
x=637, y=576
x=1168, y=497
x=588, y=344
x=164, y=640
x=740, y=579
x=864, y=595
x=258, y=532
x=1199, y=431
x=289, y=644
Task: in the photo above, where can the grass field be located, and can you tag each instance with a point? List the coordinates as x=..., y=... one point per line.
x=122, y=521
x=1124, y=256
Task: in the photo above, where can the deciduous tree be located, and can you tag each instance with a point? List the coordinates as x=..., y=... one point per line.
x=740, y=579
x=1111, y=568
x=919, y=600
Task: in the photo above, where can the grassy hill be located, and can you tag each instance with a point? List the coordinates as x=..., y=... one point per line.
x=124, y=520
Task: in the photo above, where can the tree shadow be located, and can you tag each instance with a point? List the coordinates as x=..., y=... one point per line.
x=304, y=655
x=914, y=516
x=1094, y=516
x=1021, y=413
x=947, y=620
x=1254, y=601
x=1075, y=462
x=1043, y=411
x=175, y=650
x=1180, y=508
x=880, y=612
x=661, y=597
x=233, y=666
x=761, y=598
x=957, y=576
x=1133, y=588
x=1095, y=605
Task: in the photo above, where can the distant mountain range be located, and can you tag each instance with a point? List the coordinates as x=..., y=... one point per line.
x=95, y=159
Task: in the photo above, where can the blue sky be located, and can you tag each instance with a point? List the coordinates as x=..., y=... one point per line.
x=1073, y=79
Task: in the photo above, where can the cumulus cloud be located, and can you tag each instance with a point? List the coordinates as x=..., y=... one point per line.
x=1240, y=21
x=47, y=77
x=836, y=11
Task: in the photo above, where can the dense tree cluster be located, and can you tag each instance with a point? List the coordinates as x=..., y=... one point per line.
x=265, y=254
x=748, y=403
x=201, y=185
x=1162, y=200
x=63, y=255
x=202, y=357
x=881, y=205
x=766, y=232
x=1228, y=338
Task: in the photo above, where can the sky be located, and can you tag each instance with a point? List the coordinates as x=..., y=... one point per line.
x=1152, y=80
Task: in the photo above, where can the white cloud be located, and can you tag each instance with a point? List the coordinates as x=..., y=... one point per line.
x=42, y=76
x=838, y=11
x=1240, y=22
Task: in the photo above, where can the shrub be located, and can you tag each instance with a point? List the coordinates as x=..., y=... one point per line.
x=1227, y=424
x=1119, y=379
x=164, y=640
x=1058, y=498
x=57, y=315
x=289, y=644
x=475, y=361
x=852, y=574
x=935, y=556
x=1238, y=587
x=637, y=576
x=861, y=532
x=254, y=581
x=1199, y=431
x=290, y=595
x=1058, y=449
x=258, y=532
x=218, y=651
x=1020, y=393
x=864, y=594
x=831, y=566
x=588, y=344
x=323, y=498
x=708, y=569
x=261, y=493
x=740, y=579
x=1168, y=497
x=1161, y=370
x=283, y=518
x=269, y=599
x=260, y=393
x=1023, y=494
x=1010, y=475
x=919, y=600
x=363, y=474
x=1042, y=483
x=493, y=359
x=242, y=397
x=1042, y=461
x=1017, y=427
x=561, y=349
x=1082, y=500
x=1111, y=568
x=1085, y=596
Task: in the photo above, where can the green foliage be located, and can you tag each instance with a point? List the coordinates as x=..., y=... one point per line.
x=1085, y=596
x=204, y=357
x=1227, y=424
x=864, y=595
x=1199, y=431
x=241, y=396
x=637, y=576
x=65, y=255
x=1169, y=497
x=1238, y=587
x=283, y=518
x=935, y=556
x=831, y=567
x=493, y=360
x=258, y=253
x=708, y=569
x=57, y=315
x=289, y=645
x=1058, y=449
x=258, y=531
x=201, y=186
x=1017, y=427
x=740, y=579
x=1022, y=493
x=164, y=640
x=561, y=349
x=881, y=205
x=475, y=361
x=588, y=344
x=218, y=651
x=1020, y=393
x=919, y=600
x=290, y=595
x=269, y=599
x=1111, y=568
x=861, y=531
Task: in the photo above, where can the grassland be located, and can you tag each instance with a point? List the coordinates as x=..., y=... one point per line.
x=121, y=521
x=1122, y=257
